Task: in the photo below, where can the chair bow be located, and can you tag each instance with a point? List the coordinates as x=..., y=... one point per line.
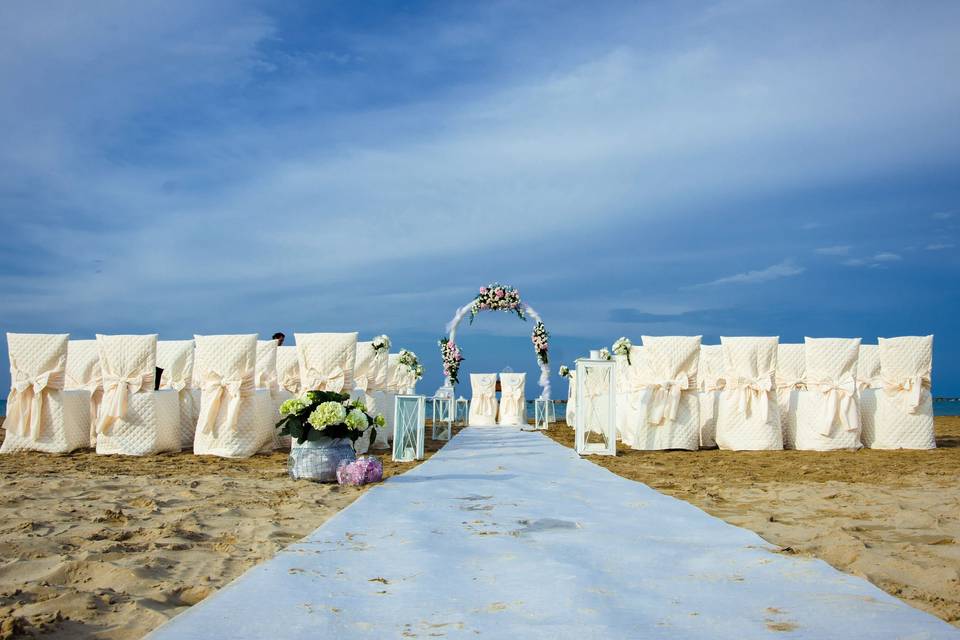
x=266, y=380
x=178, y=385
x=362, y=383
x=785, y=383
x=214, y=387
x=663, y=398
x=753, y=390
x=840, y=401
x=511, y=398
x=116, y=395
x=25, y=402
x=333, y=380
x=908, y=389
x=710, y=385
x=291, y=382
x=486, y=394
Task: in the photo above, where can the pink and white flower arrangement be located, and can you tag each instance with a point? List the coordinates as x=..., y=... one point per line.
x=541, y=342
x=497, y=297
x=451, y=356
x=363, y=470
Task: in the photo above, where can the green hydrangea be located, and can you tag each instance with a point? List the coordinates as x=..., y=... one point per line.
x=327, y=413
x=292, y=406
x=358, y=404
x=379, y=420
x=357, y=420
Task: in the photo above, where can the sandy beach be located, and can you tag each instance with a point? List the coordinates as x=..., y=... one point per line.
x=892, y=517
x=108, y=547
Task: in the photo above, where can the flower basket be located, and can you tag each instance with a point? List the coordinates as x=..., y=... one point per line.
x=318, y=460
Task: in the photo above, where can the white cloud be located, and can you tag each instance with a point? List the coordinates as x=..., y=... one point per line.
x=939, y=246
x=876, y=260
x=887, y=257
x=942, y=215
x=783, y=269
x=836, y=250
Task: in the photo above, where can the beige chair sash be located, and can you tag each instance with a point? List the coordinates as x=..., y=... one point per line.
x=510, y=401
x=907, y=390
x=791, y=383
x=709, y=385
x=291, y=383
x=116, y=396
x=750, y=391
x=214, y=386
x=267, y=380
x=840, y=393
x=662, y=398
x=25, y=402
x=93, y=386
x=318, y=381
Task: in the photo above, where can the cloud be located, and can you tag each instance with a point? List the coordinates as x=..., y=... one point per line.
x=939, y=246
x=942, y=215
x=836, y=250
x=783, y=269
x=876, y=260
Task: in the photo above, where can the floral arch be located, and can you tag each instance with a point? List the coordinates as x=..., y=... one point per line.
x=496, y=297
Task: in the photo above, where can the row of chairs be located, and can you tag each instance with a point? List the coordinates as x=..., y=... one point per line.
x=218, y=395
x=484, y=408
x=757, y=394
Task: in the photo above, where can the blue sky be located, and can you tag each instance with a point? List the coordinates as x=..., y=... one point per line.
x=717, y=168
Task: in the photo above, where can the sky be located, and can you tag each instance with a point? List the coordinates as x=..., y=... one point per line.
x=633, y=168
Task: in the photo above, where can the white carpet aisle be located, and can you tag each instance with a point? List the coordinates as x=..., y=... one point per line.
x=505, y=534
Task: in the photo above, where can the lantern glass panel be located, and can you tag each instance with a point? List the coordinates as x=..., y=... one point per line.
x=408, y=428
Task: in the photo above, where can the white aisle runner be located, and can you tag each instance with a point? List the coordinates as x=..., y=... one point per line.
x=505, y=534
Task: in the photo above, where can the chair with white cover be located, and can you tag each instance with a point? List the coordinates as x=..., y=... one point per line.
x=41, y=416
x=513, y=401
x=790, y=381
x=233, y=420
x=709, y=385
x=748, y=416
x=631, y=381
x=327, y=361
x=362, y=382
x=622, y=364
x=382, y=397
x=904, y=418
x=483, y=404
x=265, y=379
x=175, y=358
x=404, y=380
x=827, y=414
x=670, y=407
x=869, y=384
x=570, y=412
x=135, y=420
x=288, y=373
x=83, y=374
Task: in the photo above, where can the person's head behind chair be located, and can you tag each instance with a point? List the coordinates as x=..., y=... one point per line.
x=279, y=338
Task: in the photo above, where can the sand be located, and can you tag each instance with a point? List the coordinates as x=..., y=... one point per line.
x=108, y=547
x=892, y=517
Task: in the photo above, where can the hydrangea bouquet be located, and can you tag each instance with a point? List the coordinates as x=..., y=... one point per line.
x=564, y=371
x=410, y=361
x=622, y=347
x=541, y=342
x=318, y=414
x=605, y=354
x=451, y=356
x=381, y=343
x=497, y=297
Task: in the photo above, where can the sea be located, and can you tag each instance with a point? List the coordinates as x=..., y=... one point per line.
x=945, y=407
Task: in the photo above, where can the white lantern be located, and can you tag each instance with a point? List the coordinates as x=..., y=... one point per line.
x=443, y=408
x=596, y=419
x=542, y=413
x=409, y=425
x=462, y=411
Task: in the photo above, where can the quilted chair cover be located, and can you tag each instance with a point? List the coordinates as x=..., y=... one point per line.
x=327, y=361
x=363, y=369
x=288, y=383
x=134, y=419
x=378, y=371
x=869, y=384
x=709, y=384
x=748, y=417
x=630, y=385
x=83, y=374
x=175, y=357
x=265, y=379
x=669, y=415
x=827, y=413
x=235, y=418
x=41, y=416
x=404, y=380
x=483, y=404
x=513, y=401
x=790, y=381
x=570, y=414
x=904, y=417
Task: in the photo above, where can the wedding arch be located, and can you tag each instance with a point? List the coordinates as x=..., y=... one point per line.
x=496, y=297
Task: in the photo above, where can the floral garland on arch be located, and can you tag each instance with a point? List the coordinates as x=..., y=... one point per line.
x=496, y=297
x=451, y=356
